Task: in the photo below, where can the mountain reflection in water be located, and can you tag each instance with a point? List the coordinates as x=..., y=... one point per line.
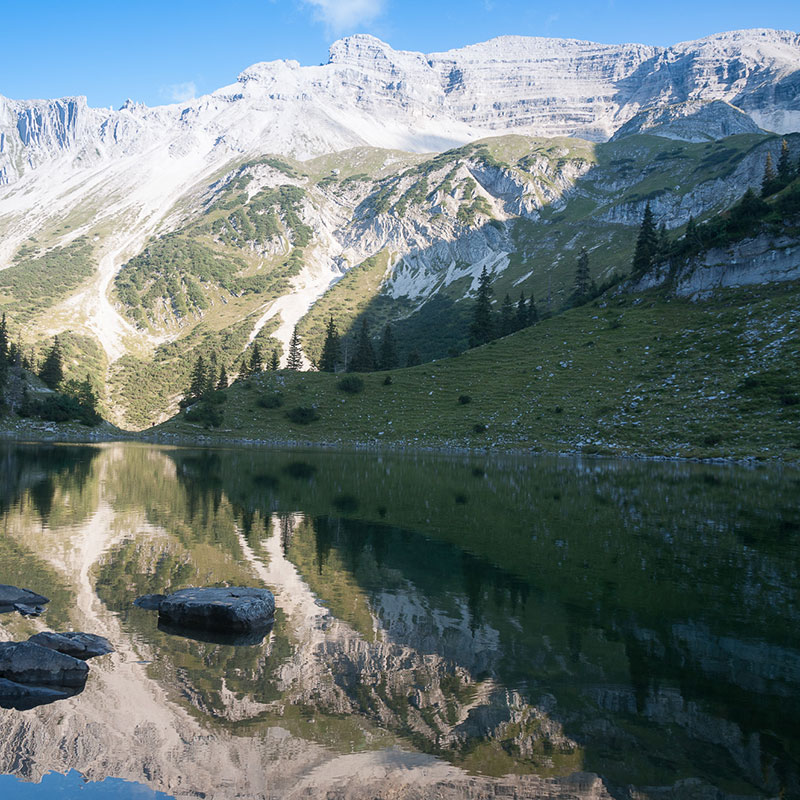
x=457, y=627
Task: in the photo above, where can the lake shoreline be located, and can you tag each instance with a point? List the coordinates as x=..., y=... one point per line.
x=47, y=433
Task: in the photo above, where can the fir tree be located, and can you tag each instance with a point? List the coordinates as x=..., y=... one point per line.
x=583, y=279
x=331, y=349
x=507, y=316
x=363, y=359
x=222, y=383
x=5, y=344
x=522, y=313
x=768, y=181
x=274, y=361
x=480, y=330
x=199, y=379
x=533, y=313
x=295, y=358
x=692, y=236
x=784, y=165
x=256, y=360
x=646, y=243
x=663, y=244
x=52, y=371
x=211, y=375
x=388, y=353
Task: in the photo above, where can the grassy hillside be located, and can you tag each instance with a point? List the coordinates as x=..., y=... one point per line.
x=631, y=374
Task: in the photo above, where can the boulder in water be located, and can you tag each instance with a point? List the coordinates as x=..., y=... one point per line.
x=22, y=697
x=31, y=664
x=73, y=643
x=12, y=596
x=233, y=609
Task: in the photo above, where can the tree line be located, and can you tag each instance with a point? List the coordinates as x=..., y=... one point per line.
x=68, y=398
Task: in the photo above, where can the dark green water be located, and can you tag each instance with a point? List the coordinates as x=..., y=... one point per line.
x=451, y=628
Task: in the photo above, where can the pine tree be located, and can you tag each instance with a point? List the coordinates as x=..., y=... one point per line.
x=295, y=358
x=480, y=331
x=507, y=316
x=533, y=313
x=388, y=353
x=256, y=360
x=521, y=320
x=199, y=379
x=784, y=165
x=5, y=344
x=692, y=236
x=222, y=383
x=768, y=181
x=363, y=359
x=274, y=361
x=331, y=349
x=211, y=375
x=52, y=370
x=663, y=244
x=583, y=279
x=646, y=244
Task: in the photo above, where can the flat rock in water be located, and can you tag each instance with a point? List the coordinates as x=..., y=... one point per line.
x=32, y=664
x=73, y=643
x=29, y=611
x=13, y=595
x=233, y=608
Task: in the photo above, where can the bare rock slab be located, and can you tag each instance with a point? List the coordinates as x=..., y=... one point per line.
x=31, y=664
x=73, y=643
x=23, y=697
x=233, y=609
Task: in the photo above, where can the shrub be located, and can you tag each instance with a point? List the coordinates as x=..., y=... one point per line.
x=479, y=427
x=387, y=381
x=351, y=384
x=463, y=399
x=274, y=400
x=302, y=415
x=712, y=439
x=206, y=414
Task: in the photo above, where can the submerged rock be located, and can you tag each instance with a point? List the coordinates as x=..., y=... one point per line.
x=12, y=597
x=233, y=609
x=151, y=602
x=31, y=664
x=73, y=643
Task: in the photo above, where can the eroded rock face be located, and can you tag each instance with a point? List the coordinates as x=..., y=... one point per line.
x=232, y=609
x=73, y=643
x=31, y=664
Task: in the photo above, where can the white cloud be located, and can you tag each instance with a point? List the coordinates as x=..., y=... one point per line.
x=343, y=15
x=179, y=92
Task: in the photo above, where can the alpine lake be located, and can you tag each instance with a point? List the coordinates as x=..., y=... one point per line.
x=446, y=626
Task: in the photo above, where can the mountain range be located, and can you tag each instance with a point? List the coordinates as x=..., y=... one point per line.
x=144, y=234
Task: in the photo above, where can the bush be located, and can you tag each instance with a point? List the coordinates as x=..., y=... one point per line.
x=387, y=381
x=479, y=427
x=206, y=414
x=463, y=399
x=351, y=384
x=302, y=415
x=274, y=400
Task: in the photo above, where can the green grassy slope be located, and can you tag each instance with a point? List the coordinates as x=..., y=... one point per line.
x=634, y=374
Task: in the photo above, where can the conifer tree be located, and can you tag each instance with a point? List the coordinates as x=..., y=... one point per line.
x=768, y=181
x=692, y=236
x=5, y=344
x=222, y=383
x=583, y=279
x=274, y=361
x=256, y=360
x=295, y=358
x=52, y=370
x=388, y=352
x=507, y=316
x=199, y=379
x=663, y=244
x=211, y=375
x=331, y=349
x=480, y=331
x=784, y=165
x=646, y=243
x=363, y=359
x=521, y=320
x=533, y=313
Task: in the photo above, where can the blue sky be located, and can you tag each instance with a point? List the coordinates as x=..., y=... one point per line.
x=166, y=51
